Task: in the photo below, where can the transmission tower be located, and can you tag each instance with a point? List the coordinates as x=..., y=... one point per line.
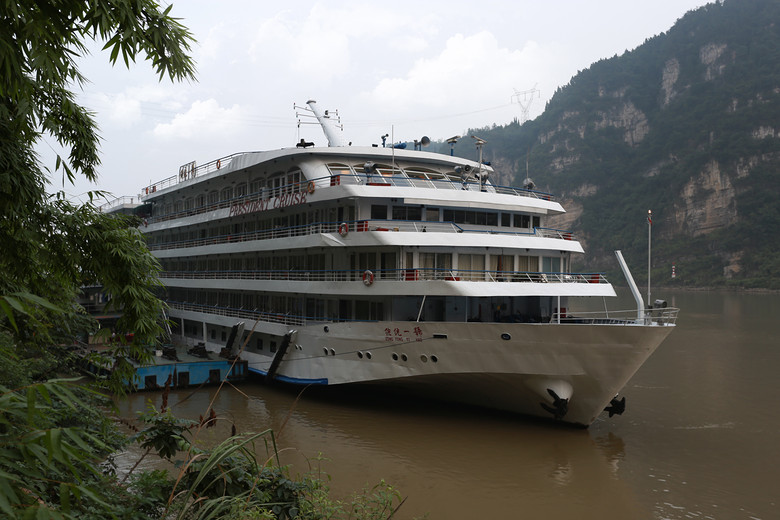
x=524, y=98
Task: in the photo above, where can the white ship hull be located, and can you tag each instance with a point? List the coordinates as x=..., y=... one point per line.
x=470, y=362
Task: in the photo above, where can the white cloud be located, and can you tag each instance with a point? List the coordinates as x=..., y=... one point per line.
x=204, y=120
x=468, y=68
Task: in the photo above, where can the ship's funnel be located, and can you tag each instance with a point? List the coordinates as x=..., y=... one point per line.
x=329, y=126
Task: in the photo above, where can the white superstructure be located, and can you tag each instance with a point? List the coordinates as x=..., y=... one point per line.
x=389, y=266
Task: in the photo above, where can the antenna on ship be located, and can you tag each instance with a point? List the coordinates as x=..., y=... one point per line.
x=649, y=244
x=480, y=142
x=328, y=120
x=452, y=140
x=528, y=183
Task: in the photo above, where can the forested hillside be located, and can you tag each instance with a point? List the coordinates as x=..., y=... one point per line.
x=688, y=125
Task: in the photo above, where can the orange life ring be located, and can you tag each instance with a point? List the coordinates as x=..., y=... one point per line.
x=219, y=164
x=343, y=229
x=310, y=187
x=368, y=277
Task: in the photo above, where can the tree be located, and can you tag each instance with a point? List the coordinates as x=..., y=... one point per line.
x=51, y=248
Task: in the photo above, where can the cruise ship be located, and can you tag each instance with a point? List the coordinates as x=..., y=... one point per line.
x=381, y=265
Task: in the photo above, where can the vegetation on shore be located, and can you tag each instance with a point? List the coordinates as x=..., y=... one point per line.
x=57, y=435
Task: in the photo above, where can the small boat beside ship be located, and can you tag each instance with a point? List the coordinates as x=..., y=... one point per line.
x=376, y=265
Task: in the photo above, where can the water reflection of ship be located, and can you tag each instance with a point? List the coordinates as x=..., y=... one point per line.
x=449, y=461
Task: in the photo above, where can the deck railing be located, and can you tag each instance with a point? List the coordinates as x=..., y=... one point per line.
x=333, y=181
x=658, y=317
x=403, y=275
x=344, y=228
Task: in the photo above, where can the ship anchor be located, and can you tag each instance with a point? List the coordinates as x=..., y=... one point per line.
x=560, y=406
x=616, y=407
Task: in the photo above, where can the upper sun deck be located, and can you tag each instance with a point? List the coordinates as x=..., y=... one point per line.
x=415, y=176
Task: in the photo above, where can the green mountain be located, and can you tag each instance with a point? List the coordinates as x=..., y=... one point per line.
x=688, y=125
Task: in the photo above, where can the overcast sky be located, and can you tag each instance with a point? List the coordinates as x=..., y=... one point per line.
x=409, y=69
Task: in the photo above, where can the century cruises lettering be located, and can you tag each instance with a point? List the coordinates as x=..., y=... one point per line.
x=282, y=201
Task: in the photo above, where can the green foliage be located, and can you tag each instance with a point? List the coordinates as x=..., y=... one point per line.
x=48, y=455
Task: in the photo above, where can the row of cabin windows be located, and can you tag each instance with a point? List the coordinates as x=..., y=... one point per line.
x=310, y=307
x=252, y=223
x=275, y=185
x=483, y=218
x=381, y=262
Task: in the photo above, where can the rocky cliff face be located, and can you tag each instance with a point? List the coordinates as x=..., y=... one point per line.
x=685, y=125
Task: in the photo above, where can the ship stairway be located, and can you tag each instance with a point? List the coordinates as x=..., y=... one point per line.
x=271, y=374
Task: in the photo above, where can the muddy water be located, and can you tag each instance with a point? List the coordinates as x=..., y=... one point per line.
x=700, y=437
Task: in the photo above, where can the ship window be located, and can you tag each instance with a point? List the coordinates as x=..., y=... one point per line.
x=226, y=194
x=200, y=201
x=213, y=197
x=505, y=219
x=537, y=222
x=256, y=186
x=522, y=221
x=378, y=212
x=188, y=204
x=432, y=214
x=387, y=170
x=294, y=180
x=240, y=190
x=339, y=169
x=551, y=264
x=407, y=213
x=457, y=216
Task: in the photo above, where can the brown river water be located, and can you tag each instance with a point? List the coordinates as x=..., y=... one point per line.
x=700, y=437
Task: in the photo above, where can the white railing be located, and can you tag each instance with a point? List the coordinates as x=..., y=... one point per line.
x=404, y=275
x=345, y=228
x=665, y=316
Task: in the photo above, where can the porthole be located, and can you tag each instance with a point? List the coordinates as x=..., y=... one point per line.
x=332, y=352
x=403, y=357
x=395, y=356
x=368, y=355
x=360, y=355
x=424, y=358
x=325, y=350
x=506, y=336
x=325, y=328
x=434, y=359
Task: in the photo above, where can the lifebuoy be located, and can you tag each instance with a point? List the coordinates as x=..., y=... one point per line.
x=219, y=164
x=310, y=187
x=368, y=277
x=343, y=229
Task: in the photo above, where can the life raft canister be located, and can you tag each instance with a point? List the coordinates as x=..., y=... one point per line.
x=368, y=277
